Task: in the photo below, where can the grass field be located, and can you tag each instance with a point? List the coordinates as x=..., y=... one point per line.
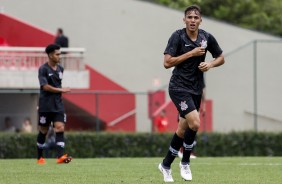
x=226, y=170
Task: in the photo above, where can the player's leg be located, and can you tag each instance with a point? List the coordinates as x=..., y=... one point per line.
x=190, y=134
x=175, y=145
x=59, y=127
x=193, y=152
x=193, y=121
x=165, y=166
x=176, y=142
x=184, y=125
x=189, y=137
x=43, y=125
x=40, y=143
x=180, y=152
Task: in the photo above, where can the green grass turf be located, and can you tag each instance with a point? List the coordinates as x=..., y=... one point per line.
x=226, y=170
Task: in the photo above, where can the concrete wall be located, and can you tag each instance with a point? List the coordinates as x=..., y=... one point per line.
x=125, y=40
x=29, y=79
x=233, y=90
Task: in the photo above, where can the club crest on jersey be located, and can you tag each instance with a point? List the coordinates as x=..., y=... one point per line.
x=42, y=120
x=183, y=105
x=204, y=43
x=60, y=75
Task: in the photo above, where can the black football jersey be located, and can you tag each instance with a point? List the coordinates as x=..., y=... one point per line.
x=186, y=76
x=50, y=102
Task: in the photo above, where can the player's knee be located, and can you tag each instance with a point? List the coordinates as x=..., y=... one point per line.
x=180, y=132
x=43, y=130
x=195, y=125
x=60, y=128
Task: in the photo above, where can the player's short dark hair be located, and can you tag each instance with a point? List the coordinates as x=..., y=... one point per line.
x=51, y=48
x=193, y=8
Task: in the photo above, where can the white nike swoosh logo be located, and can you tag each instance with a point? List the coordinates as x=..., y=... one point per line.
x=187, y=45
x=50, y=74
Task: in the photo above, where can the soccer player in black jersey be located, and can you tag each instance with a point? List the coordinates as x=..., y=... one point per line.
x=51, y=107
x=186, y=51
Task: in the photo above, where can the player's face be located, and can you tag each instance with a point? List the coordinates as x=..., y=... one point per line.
x=55, y=56
x=192, y=20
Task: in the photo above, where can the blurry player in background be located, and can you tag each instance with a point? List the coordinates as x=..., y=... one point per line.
x=61, y=39
x=161, y=122
x=186, y=51
x=51, y=107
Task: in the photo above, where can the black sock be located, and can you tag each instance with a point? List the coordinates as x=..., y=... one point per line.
x=40, y=144
x=194, y=146
x=189, y=137
x=175, y=145
x=60, y=144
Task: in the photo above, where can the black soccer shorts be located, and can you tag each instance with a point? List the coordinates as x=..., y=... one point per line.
x=185, y=102
x=45, y=118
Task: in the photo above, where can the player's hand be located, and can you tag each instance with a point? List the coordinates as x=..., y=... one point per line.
x=66, y=90
x=198, y=51
x=204, y=66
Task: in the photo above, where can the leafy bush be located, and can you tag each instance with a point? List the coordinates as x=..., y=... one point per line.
x=90, y=145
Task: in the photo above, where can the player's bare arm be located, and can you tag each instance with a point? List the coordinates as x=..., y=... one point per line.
x=205, y=66
x=170, y=61
x=52, y=89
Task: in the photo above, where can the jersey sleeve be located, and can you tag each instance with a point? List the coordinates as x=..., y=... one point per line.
x=213, y=47
x=42, y=76
x=172, y=44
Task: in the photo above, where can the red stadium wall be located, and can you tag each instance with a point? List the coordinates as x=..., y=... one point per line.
x=14, y=32
x=106, y=107
x=156, y=100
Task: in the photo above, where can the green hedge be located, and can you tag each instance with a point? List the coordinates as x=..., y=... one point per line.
x=88, y=145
